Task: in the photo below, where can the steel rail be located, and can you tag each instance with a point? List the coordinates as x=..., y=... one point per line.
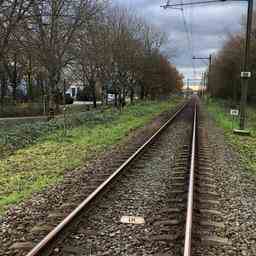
x=52, y=234
x=189, y=218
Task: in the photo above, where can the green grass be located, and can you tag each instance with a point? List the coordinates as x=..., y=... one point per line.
x=245, y=145
x=42, y=164
x=20, y=133
x=221, y=115
x=21, y=109
x=74, y=108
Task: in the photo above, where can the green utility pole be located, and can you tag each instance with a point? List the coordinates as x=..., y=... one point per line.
x=203, y=83
x=245, y=75
x=210, y=64
x=187, y=87
x=210, y=70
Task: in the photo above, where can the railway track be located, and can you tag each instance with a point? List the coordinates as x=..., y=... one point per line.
x=192, y=203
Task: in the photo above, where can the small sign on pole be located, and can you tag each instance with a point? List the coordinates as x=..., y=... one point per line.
x=246, y=74
x=234, y=112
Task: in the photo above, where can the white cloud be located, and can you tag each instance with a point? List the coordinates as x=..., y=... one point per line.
x=209, y=26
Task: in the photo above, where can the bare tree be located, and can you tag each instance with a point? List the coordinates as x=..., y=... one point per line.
x=50, y=33
x=89, y=49
x=44, y=42
x=11, y=14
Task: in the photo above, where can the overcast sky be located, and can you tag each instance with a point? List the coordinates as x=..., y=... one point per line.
x=208, y=25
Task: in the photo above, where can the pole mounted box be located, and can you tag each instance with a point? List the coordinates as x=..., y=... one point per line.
x=234, y=112
x=246, y=74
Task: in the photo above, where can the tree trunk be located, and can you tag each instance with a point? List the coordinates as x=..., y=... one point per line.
x=3, y=91
x=57, y=99
x=93, y=91
x=132, y=96
x=106, y=100
x=51, y=109
x=14, y=92
x=54, y=78
x=14, y=81
x=123, y=95
x=120, y=98
x=29, y=88
x=142, y=91
x=40, y=84
x=116, y=99
x=29, y=82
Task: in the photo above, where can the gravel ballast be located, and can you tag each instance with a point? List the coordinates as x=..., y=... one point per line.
x=144, y=191
x=237, y=190
x=18, y=222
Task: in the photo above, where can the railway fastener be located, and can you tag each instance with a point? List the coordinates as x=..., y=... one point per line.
x=178, y=179
x=176, y=200
x=41, y=229
x=178, y=175
x=210, y=212
x=209, y=202
x=207, y=193
x=67, y=206
x=212, y=224
x=55, y=216
x=205, y=167
x=174, y=222
x=22, y=246
x=215, y=240
x=178, y=184
x=205, y=179
x=183, y=169
x=178, y=192
x=169, y=237
x=207, y=187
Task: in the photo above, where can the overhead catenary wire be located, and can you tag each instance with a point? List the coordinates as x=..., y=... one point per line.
x=191, y=3
x=191, y=23
x=189, y=38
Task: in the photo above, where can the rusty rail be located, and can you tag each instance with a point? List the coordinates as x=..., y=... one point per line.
x=189, y=218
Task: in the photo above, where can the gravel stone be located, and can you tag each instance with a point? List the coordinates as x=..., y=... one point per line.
x=17, y=223
x=142, y=192
x=237, y=189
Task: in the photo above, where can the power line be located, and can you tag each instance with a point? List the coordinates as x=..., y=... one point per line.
x=191, y=16
x=189, y=39
x=168, y=5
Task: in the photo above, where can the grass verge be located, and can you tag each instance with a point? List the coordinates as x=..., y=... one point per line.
x=40, y=165
x=19, y=133
x=245, y=145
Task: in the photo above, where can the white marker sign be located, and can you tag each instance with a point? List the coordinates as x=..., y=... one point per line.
x=132, y=220
x=246, y=74
x=234, y=112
